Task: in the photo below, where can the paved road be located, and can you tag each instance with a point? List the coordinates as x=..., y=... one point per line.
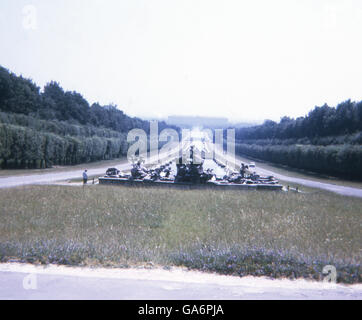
x=65, y=283
x=15, y=181
x=346, y=191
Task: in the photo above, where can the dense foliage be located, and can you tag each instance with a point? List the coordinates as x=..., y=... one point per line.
x=337, y=160
x=328, y=140
x=323, y=121
x=52, y=126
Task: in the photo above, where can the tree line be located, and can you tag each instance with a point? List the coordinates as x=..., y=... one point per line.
x=335, y=160
x=23, y=147
x=323, y=121
x=328, y=140
x=42, y=128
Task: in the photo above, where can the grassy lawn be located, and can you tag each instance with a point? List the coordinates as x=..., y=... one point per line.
x=276, y=234
x=91, y=165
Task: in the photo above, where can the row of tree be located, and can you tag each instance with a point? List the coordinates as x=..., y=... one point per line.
x=353, y=139
x=336, y=160
x=328, y=140
x=23, y=147
x=61, y=128
x=323, y=121
x=53, y=126
x=23, y=96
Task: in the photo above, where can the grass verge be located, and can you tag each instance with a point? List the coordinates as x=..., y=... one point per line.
x=258, y=233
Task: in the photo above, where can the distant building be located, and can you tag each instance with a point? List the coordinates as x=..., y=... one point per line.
x=194, y=121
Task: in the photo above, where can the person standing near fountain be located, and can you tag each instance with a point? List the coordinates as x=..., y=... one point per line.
x=85, y=177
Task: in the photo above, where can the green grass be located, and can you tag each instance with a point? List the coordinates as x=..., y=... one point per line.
x=275, y=234
x=78, y=180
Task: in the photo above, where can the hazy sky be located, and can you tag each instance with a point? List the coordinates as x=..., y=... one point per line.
x=247, y=60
